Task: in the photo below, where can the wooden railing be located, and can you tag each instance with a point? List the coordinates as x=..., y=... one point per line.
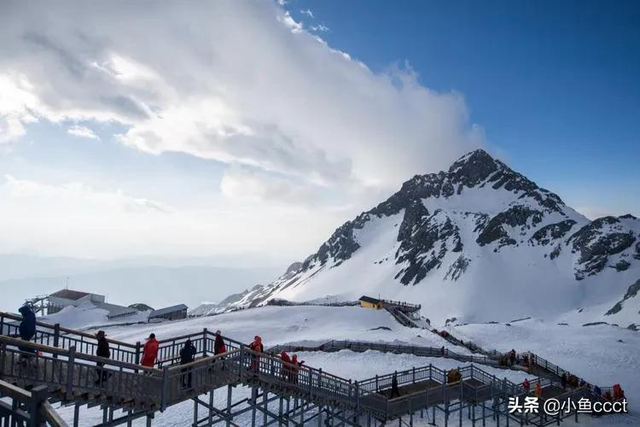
x=75, y=373
x=361, y=346
x=28, y=407
x=54, y=335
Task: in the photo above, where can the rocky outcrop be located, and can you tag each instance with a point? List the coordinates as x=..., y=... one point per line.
x=597, y=242
x=631, y=293
x=552, y=232
x=424, y=242
x=517, y=216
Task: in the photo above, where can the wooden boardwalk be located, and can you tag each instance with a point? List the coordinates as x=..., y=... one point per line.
x=72, y=376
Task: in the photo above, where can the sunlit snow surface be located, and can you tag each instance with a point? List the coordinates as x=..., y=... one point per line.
x=592, y=352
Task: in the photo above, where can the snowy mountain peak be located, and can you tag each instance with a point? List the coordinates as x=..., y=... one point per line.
x=478, y=241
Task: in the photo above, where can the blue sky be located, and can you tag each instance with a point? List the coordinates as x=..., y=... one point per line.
x=554, y=84
x=231, y=126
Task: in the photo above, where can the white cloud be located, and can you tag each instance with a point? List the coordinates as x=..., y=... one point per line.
x=307, y=12
x=16, y=104
x=224, y=80
x=321, y=28
x=302, y=128
x=82, y=132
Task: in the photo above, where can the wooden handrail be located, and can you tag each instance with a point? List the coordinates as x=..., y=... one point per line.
x=25, y=396
x=16, y=342
x=66, y=330
x=203, y=361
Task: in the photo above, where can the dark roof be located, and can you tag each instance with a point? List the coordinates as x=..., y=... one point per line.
x=141, y=306
x=116, y=310
x=69, y=294
x=167, y=310
x=370, y=300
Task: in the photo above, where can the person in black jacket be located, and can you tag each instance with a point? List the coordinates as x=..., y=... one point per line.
x=395, y=391
x=102, y=351
x=187, y=355
x=27, y=330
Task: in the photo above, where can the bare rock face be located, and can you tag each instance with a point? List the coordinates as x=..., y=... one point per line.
x=597, y=242
x=632, y=292
x=552, y=232
x=424, y=241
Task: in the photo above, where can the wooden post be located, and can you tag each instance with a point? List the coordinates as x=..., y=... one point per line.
x=165, y=388
x=204, y=342
x=38, y=397
x=254, y=403
x=229, y=396
x=56, y=336
x=137, y=357
x=70, y=366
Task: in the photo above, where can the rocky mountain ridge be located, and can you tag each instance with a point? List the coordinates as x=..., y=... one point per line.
x=445, y=236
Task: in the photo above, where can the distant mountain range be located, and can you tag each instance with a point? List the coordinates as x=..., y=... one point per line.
x=478, y=242
x=157, y=282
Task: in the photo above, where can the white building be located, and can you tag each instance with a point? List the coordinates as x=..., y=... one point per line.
x=67, y=297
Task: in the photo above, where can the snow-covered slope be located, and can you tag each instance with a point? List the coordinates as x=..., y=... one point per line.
x=292, y=325
x=479, y=242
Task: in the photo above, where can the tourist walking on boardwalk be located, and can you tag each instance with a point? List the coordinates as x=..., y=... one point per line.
x=187, y=355
x=219, y=346
x=525, y=385
x=257, y=347
x=150, y=351
x=395, y=391
x=102, y=351
x=27, y=330
x=512, y=357
x=538, y=390
x=294, y=369
x=285, y=371
x=563, y=380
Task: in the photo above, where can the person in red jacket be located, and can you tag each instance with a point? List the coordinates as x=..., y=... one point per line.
x=285, y=371
x=295, y=368
x=150, y=351
x=257, y=347
x=525, y=385
x=218, y=346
